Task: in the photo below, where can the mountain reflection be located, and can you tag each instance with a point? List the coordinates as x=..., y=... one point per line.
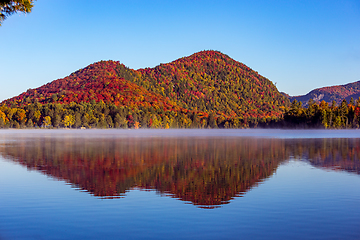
x=207, y=172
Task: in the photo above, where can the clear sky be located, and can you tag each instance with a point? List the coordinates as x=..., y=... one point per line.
x=298, y=44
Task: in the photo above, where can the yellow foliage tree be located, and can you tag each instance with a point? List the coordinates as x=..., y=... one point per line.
x=21, y=115
x=47, y=121
x=69, y=120
x=3, y=119
x=156, y=123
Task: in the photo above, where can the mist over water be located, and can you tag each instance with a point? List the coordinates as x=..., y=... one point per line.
x=119, y=133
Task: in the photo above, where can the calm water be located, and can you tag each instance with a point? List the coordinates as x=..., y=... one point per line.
x=179, y=184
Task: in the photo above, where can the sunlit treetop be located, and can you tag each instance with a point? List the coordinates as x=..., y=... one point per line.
x=9, y=7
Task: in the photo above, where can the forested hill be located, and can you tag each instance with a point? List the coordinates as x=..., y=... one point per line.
x=212, y=81
x=97, y=82
x=332, y=93
x=207, y=89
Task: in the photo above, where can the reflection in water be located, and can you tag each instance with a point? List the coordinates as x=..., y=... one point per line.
x=335, y=154
x=207, y=172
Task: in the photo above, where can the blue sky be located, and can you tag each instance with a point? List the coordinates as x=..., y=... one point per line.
x=299, y=45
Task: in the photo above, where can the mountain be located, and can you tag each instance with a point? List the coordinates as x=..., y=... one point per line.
x=332, y=93
x=96, y=82
x=207, y=86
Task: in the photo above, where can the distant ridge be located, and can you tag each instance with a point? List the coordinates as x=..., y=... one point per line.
x=332, y=93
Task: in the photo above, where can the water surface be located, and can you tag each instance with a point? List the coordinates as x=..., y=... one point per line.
x=179, y=184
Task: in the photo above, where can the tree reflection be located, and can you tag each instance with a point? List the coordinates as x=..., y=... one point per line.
x=331, y=153
x=207, y=172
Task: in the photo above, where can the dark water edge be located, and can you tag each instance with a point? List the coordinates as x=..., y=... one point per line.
x=179, y=184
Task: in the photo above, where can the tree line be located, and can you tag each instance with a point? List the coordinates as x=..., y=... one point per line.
x=323, y=115
x=100, y=115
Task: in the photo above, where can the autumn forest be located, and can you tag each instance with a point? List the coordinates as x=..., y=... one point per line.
x=205, y=90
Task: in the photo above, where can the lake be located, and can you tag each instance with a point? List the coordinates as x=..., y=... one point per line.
x=180, y=184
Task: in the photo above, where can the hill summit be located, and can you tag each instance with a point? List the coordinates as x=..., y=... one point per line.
x=96, y=82
x=212, y=81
